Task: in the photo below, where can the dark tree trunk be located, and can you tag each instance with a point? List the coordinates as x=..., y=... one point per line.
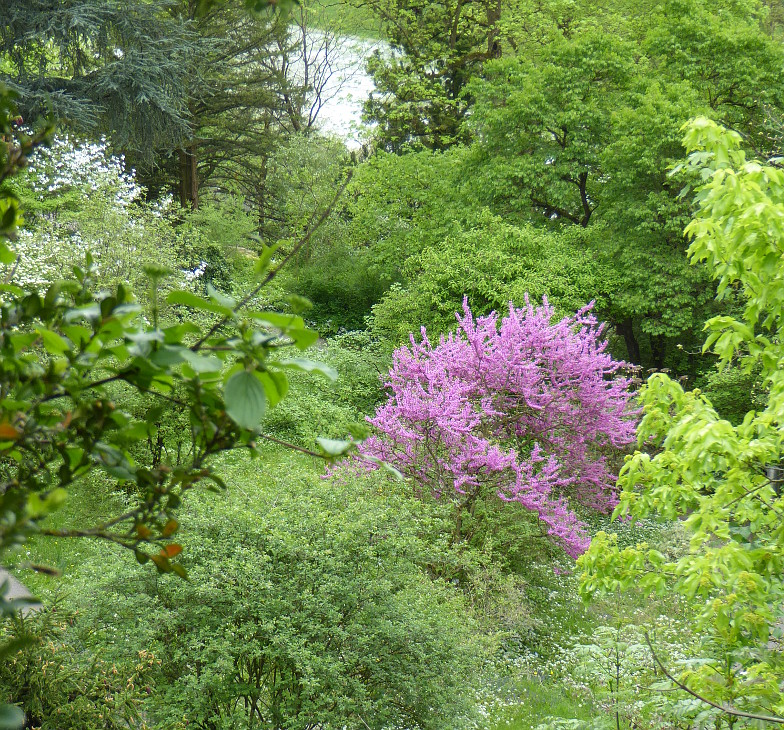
x=626, y=330
x=658, y=351
x=189, y=178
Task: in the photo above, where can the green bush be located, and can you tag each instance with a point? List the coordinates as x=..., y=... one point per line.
x=62, y=686
x=305, y=608
x=492, y=263
x=316, y=407
x=734, y=392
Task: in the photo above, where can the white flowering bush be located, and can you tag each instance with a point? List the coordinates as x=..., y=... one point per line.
x=80, y=198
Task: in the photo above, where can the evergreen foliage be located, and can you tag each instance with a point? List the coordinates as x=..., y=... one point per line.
x=101, y=66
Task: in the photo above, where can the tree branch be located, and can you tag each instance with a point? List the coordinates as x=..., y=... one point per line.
x=727, y=709
x=312, y=228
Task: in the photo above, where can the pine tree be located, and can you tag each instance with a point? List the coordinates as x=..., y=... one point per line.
x=114, y=67
x=252, y=87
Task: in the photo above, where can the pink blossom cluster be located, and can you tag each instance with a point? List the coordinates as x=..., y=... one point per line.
x=527, y=409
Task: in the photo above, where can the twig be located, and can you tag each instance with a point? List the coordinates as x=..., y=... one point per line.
x=312, y=228
x=288, y=445
x=727, y=709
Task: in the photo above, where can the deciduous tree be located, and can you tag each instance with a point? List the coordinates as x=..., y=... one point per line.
x=526, y=409
x=722, y=481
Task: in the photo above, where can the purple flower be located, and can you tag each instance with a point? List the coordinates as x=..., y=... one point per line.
x=524, y=407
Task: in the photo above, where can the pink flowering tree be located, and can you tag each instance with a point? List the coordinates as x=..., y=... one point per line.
x=526, y=409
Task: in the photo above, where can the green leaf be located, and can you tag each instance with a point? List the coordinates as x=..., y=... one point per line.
x=276, y=385
x=334, y=447
x=309, y=366
x=267, y=252
x=275, y=319
x=23, y=340
x=167, y=355
x=213, y=293
x=54, y=344
x=303, y=338
x=202, y=363
x=7, y=255
x=246, y=402
x=189, y=299
x=77, y=333
x=298, y=303
x=39, y=506
x=11, y=717
x=173, y=335
x=92, y=313
x=381, y=464
x=8, y=220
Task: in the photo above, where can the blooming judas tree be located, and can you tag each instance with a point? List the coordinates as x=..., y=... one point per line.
x=527, y=409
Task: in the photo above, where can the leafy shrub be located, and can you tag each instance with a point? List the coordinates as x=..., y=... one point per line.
x=60, y=685
x=305, y=608
x=492, y=263
x=333, y=409
x=734, y=392
x=714, y=476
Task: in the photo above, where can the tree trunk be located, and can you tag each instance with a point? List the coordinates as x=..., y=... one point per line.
x=261, y=197
x=658, y=351
x=626, y=330
x=189, y=178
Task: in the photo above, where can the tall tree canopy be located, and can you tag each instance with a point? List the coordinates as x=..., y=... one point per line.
x=722, y=481
x=112, y=67
x=586, y=133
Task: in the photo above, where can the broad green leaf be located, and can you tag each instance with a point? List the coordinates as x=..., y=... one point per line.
x=92, y=313
x=11, y=717
x=267, y=252
x=222, y=299
x=276, y=385
x=303, y=338
x=53, y=342
x=246, y=402
x=173, y=335
x=383, y=465
x=189, y=299
x=168, y=355
x=298, y=303
x=202, y=363
x=7, y=255
x=309, y=366
x=275, y=319
x=334, y=447
x=22, y=341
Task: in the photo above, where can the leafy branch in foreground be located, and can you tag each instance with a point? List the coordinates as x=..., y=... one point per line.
x=722, y=481
x=71, y=357
x=74, y=356
x=724, y=708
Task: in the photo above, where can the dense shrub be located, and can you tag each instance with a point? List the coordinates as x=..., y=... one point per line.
x=62, y=686
x=306, y=608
